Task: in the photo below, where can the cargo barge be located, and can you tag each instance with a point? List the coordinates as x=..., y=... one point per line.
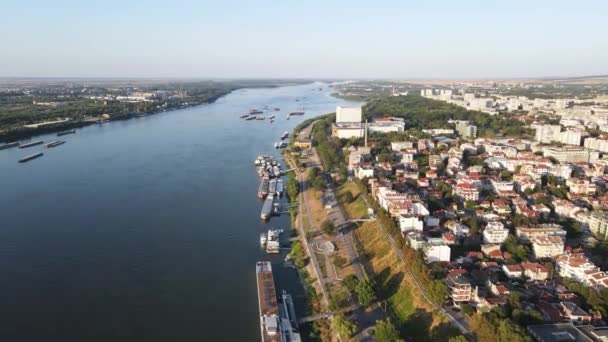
x=267, y=303
x=279, y=187
x=31, y=144
x=296, y=113
x=272, y=187
x=9, y=145
x=267, y=208
x=71, y=131
x=263, y=189
x=31, y=157
x=54, y=143
x=289, y=321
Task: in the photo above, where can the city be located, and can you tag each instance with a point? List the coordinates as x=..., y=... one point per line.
x=304, y=171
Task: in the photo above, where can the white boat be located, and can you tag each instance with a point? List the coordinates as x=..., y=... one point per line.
x=263, y=239
x=272, y=242
x=276, y=145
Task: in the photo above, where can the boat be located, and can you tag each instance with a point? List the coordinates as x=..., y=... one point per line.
x=255, y=111
x=259, y=117
x=54, y=143
x=276, y=209
x=273, y=245
x=244, y=116
x=296, y=113
x=267, y=209
x=263, y=189
x=267, y=303
x=276, y=145
x=279, y=187
x=272, y=117
x=288, y=320
x=285, y=135
x=272, y=187
x=251, y=118
x=71, y=131
x=9, y=145
x=276, y=170
x=263, y=239
x=283, y=144
x=31, y=157
x=32, y=144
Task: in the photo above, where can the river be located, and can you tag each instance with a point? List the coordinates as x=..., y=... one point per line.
x=146, y=229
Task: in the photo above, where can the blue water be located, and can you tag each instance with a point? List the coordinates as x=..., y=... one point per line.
x=146, y=229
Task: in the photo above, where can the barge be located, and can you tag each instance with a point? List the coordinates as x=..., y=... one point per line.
x=71, y=131
x=31, y=157
x=296, y=113
x=267, y=208
x=9, y=145
x=279, y=187
x=278, y=321
x=272, y=187
x=263, y=189
x=39, y=142
x=54, y=143
x=267, y=303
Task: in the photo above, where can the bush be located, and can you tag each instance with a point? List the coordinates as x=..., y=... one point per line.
x=327, y=227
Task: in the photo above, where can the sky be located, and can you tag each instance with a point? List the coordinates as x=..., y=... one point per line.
x=404, y=39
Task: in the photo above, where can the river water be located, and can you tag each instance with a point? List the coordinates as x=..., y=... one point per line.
x=146, y=229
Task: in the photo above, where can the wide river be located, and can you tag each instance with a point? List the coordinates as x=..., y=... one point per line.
x=146, y=229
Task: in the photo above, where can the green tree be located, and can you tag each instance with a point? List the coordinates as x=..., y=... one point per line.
x=365, y=292
x=344, y=326
x=459, y=338
x=385, y=331
x=327, y=227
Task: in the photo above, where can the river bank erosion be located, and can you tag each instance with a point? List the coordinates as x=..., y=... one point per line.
x=146, y=229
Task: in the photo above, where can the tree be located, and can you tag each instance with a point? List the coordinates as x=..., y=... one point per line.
x=350, y=282
x=365, y=292
x=385, y=331
x=344, y=326
x=348, y=197
x=469, y=204
x=459, y=338
x=339, y=261
x=327, y=227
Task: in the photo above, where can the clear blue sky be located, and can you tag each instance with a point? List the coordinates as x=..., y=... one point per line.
x=303, y=38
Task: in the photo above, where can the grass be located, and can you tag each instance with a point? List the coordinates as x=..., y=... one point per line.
x=356, y=209
x=416, y=318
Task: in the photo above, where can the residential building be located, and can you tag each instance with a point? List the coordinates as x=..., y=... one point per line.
x=527, y=233
x=578, y=267
x=439, y=253
x=495, y=232
x=461, y=289
x=547, y=133
x=535, y=271
x=569, y=154
x=547, y=246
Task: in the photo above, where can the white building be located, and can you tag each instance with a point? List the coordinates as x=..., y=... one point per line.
x=569, y=154
x=437, y=254
x=410, y=223
x=547, y=247
x=547, y=133
x=348, y=114
x=466, y=130
x=495, y=232
x=401, y=145
x=386, y=125
x=578, y=267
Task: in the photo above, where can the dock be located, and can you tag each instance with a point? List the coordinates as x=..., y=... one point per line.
x=31, y=157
